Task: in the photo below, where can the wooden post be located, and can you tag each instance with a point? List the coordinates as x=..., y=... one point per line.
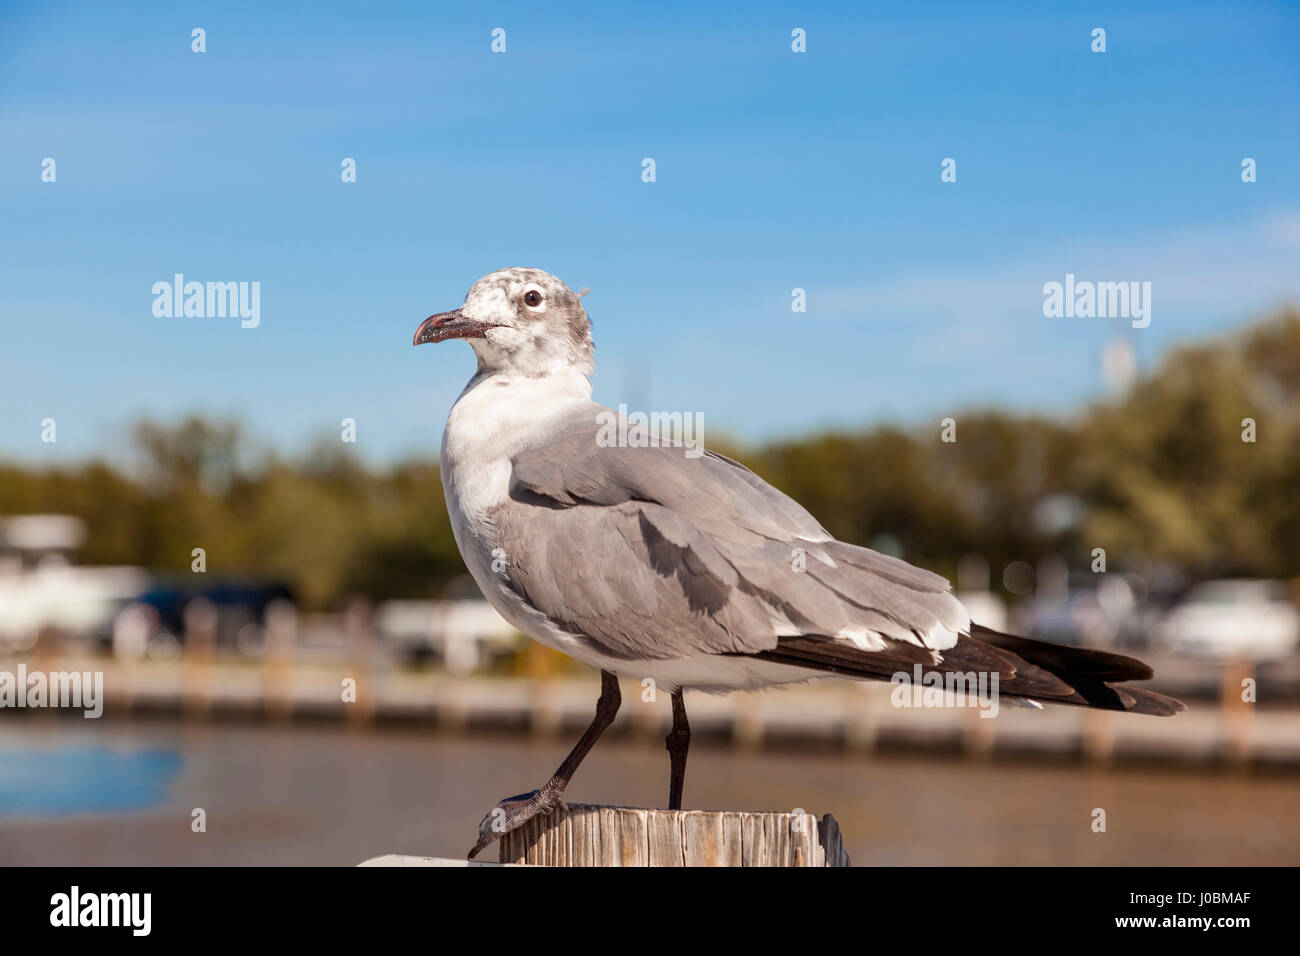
x=1235, y=713
x=861, y=722
x=979, y=735
x=622, y=836
x=199, y=656
x=1098, y=736
x=544, y=715
x=358, y=631
x=277, y=666
x=747, y=720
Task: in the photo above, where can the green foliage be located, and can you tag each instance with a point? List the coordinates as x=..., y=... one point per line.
x=1161, y=475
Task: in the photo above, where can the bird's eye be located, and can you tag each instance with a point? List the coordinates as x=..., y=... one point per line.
x=532, y=298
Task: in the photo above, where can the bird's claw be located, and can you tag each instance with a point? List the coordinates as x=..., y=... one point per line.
x=514, y=812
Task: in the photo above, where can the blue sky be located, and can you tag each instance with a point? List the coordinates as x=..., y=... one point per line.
x=775, y=170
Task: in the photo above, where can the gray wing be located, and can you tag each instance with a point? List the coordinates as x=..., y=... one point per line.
x=661, y=552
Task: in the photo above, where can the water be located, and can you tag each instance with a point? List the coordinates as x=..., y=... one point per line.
x=84, y=779
x=125, y=792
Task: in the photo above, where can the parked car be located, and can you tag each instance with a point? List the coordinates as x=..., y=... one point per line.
x=1087, y=609
x=154, y=625
x=462, y=628
x=1233, y=618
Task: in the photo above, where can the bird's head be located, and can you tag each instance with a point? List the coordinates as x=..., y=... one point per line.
x=518, y=320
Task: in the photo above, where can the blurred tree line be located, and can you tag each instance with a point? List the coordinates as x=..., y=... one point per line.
x=1160, y=475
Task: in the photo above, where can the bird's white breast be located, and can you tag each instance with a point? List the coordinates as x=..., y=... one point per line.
x=496, y=417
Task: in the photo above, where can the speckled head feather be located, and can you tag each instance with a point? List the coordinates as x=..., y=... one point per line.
x=523, y=321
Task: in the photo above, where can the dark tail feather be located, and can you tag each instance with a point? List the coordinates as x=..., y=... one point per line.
x=1083, y=661
x=1096, y=676
x=1034, y=670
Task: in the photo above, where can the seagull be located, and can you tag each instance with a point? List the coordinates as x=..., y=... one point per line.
x=678, y=565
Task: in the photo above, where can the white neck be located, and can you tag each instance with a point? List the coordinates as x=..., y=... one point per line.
x=513, y=351
x=497, y=415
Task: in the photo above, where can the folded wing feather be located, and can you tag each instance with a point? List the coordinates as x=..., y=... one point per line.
x=651, y=552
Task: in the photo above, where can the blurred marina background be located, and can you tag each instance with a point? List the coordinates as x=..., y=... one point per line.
x=778, y=172
x=316, y=570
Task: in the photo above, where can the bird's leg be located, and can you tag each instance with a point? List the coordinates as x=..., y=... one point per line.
x=678, y=741
x=513, y=812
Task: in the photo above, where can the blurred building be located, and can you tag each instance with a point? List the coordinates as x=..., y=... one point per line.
x=42, y=592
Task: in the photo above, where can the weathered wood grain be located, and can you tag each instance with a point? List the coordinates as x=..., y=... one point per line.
x=624, y=836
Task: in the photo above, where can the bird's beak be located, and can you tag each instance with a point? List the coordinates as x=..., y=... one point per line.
x=449, y=325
